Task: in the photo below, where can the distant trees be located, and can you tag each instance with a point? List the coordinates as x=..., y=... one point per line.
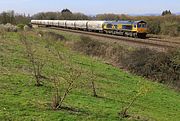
x=7, y=17
x=66, y=11
x=13, y=18
x=46, y=16
x=111, y=16
x=166, y=12
x=107, y=17
x=65, y=14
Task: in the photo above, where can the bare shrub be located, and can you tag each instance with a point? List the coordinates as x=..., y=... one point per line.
x=116, y=54
x=142, y=91
x=161, y=66
x=170, y=28
x=113, y=53
x=36, y=63
x=56, y=94
x=73, y=73
x=90, y=46
x=61, y=91
x=154, y=27
x=59, y=98
x=8, y=27
x=92, y=78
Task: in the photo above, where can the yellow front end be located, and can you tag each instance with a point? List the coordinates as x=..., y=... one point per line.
x=119, y=26
x=141, y=30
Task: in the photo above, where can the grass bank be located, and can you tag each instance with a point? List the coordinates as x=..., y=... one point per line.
x=20, y=99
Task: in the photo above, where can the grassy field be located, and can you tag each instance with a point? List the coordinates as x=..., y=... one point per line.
x=21, y=100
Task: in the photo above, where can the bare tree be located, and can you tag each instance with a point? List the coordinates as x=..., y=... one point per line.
x=92, y=78
x=57, y=79
x=36, y=63
x=56, y=94
x=74, y=73
x=143, y=90
x=58, y=98
x=124, y=112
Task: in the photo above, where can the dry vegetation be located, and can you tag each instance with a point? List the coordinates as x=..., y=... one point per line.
x=163, y=67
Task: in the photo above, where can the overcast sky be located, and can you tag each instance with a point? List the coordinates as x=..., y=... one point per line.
x=92, y=7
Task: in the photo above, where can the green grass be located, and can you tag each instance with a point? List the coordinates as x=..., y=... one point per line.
x=21, y=100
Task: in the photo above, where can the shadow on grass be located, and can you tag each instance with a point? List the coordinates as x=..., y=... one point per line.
x=135, y=117
x=73, y=110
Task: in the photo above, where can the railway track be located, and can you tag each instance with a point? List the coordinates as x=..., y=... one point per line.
x=164, y=40
x=151, y=43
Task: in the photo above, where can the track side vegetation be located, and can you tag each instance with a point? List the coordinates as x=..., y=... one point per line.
x=164, y=67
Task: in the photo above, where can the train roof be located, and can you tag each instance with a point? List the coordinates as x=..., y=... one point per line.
x=119, y=22
x=124, y=22
x=141, y=21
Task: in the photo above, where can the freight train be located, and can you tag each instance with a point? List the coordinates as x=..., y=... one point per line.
x=125, y=28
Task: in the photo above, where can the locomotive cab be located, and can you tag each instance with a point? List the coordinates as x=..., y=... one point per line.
x=140, y=27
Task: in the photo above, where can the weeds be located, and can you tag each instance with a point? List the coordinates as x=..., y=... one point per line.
x=2, y=33
x=52, y=36
x=8, y=27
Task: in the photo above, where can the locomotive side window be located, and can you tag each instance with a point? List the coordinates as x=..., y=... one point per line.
x=129, y=27
x=139, y=25
x=144, y=25
x=115, y=26
x=134, y=25
x=109, y=25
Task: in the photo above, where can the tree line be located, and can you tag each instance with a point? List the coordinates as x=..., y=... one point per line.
x=65, y=14
x=14, y=18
